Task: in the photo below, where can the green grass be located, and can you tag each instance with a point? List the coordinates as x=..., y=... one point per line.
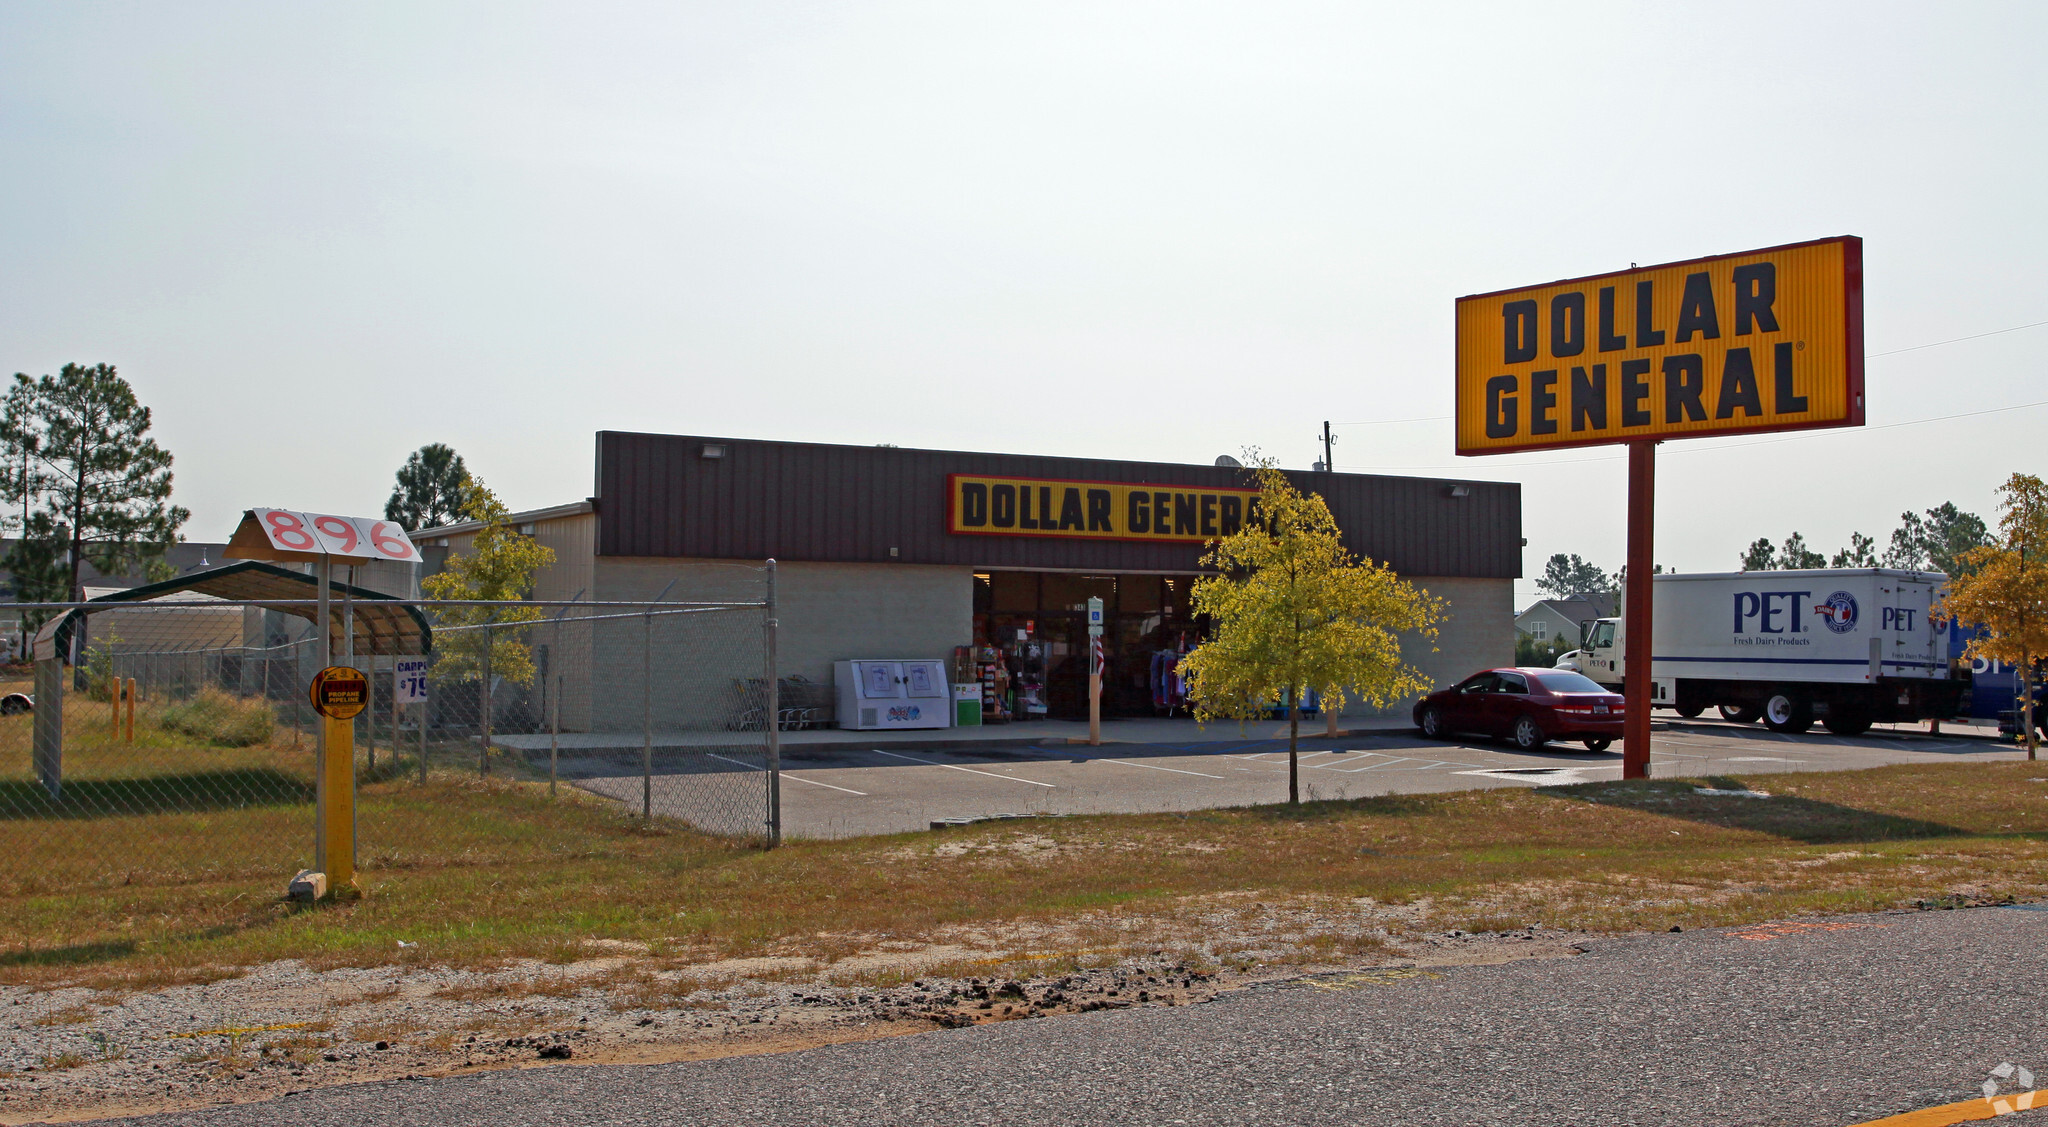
x=471, y=872
x=221, y=719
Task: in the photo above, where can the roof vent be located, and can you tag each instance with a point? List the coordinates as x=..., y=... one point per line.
x=1225, y=461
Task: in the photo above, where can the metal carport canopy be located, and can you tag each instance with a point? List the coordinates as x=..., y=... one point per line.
x=383, y=624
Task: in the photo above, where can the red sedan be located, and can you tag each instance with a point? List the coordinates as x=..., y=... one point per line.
x=1529, y=706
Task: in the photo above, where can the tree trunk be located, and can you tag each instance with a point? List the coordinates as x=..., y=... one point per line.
x=2027, y=708
x=1293, y=754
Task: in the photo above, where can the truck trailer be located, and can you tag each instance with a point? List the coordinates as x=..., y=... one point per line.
x=1849, y=647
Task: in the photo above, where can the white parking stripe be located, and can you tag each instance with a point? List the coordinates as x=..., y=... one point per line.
x=827, y=786
x=785, y=774
x=1151, y=767
x=969, y=770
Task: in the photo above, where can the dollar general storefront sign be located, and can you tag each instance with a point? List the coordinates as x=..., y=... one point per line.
x=1764, y=340
x=1099, y=510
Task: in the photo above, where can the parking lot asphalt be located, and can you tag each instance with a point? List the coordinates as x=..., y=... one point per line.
x=1837, y=1021
x=847, y=791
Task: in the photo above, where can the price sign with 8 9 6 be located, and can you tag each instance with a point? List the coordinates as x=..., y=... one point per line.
x=357, y=537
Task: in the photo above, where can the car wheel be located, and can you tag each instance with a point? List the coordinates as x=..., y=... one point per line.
x=1784, y=712
x=1528, y=734
x=1432, y=723
x=1847, y=721
x=1601, y=744
x=1741, y=713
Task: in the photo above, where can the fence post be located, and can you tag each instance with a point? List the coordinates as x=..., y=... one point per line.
x=647, y=714
x=483, y=709
x=323, y=652
x=370, y=720
x=425, y=716
x=49, y=722
x=555, y=703
x=770, y=626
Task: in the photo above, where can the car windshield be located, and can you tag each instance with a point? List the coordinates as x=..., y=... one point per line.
x=1567, y=682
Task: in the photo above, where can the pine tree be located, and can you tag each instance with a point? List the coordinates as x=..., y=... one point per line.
x=99, y=485
x=429, y=489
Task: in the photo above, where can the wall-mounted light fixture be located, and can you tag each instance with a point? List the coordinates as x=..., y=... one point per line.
x=1460, y=491
x=712, y=450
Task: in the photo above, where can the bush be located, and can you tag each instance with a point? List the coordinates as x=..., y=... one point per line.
x=221, y=718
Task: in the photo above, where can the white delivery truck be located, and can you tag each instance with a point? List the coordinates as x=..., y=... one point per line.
x=1846, y=646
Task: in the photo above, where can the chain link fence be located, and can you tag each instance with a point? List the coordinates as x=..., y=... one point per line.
x=658, y=707
x=143, y=729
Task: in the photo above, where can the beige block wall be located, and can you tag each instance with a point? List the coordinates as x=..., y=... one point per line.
x=828, y=612
x=1478, y=632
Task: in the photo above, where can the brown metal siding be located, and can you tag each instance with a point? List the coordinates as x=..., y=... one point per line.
x=656, y=496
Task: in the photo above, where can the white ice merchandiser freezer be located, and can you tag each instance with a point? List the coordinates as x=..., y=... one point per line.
x=893, y=694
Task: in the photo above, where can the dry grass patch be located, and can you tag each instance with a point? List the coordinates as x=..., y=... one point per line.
x=546, y=881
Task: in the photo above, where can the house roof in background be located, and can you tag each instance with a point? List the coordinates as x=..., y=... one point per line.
x=189, y=558
x=1575, y=610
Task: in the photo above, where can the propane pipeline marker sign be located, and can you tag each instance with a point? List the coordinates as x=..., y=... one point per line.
x=339, y=692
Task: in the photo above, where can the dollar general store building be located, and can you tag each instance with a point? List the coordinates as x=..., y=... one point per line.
x=896, y=553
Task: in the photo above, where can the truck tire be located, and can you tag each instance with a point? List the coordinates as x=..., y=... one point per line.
x=1787, y=712
x=1741, y=713
x=1844, y=720
x=1690, y=711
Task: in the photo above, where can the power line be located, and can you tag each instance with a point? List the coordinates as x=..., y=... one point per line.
x=1695, y=449
x=1972, y=336
x=1871, y=356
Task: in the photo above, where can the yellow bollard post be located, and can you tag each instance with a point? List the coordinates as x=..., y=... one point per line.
x=131, y=710
x=339, y=693
x=339, y=817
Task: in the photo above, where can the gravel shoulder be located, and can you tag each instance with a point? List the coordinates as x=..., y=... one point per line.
x=284, y=1028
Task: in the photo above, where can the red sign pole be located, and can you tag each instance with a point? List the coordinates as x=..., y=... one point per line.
x=1642, y=519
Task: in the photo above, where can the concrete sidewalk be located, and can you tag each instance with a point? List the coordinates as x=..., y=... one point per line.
x=1164, y=731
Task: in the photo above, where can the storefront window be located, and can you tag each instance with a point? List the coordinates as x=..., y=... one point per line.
x=1031, y=640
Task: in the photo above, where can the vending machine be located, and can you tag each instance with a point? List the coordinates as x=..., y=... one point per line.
x=893, y=694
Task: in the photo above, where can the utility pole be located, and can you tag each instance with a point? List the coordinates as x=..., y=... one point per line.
x=1329, y=457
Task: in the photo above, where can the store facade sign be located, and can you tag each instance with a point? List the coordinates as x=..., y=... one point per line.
x=1765, y=340
x=1097, y=510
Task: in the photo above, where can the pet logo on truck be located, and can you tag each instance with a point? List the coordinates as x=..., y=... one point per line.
x=1838, y=612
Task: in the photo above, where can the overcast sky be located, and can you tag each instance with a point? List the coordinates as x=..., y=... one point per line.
x=315, y=237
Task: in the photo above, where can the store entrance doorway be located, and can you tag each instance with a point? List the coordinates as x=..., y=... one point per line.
x=1035, y=625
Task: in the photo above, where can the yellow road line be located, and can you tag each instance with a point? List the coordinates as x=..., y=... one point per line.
x=1964, y=1112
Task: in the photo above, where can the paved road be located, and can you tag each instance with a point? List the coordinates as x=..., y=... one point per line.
x=1832, y=1023
x=843, y=792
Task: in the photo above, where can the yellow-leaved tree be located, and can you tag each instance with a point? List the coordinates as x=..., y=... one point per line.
x=485, y=643
x=2003, y=591
x=1292, y=611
